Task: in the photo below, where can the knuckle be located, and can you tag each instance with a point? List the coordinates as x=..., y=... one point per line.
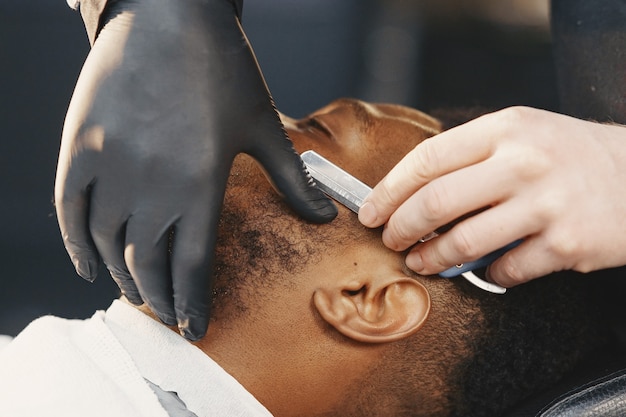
x=526, y=159
x=564, y=245
x=435, y=202
x=550, y=207
x=398, y=234
x=509, y=268
x=530, y=162
x=513, y=117
x=462, y=242
x=424, y=161
x=434, y=256
x=584, y=267
x=415, y=170
x=388, y=196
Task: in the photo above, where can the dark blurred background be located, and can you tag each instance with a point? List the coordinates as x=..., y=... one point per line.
x=428, y=54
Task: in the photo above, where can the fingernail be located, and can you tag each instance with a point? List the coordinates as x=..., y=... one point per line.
x=88, y=270
x=368, y=214
x=489, y=277
x=414, y=261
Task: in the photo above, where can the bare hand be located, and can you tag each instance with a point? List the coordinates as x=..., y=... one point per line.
x=555, y=181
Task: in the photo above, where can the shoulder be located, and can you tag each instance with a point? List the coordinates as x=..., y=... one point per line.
x=67, y=367
x=5, y=340
x=44, y=327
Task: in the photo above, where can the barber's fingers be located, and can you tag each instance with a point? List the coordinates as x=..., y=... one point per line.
x=473, y=238
x=449, y=151
x=567, y=245
x=146, y=254
x=532, y=259
x=287, y=172
x=121, y=275
x=446, y=199
x=192, y=262
x=71, y=198
x=110, y=237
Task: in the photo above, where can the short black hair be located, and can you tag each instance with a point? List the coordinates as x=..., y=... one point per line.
x=532, y=336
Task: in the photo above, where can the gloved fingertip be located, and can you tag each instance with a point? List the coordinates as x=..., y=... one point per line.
x=165, y=314
x=133, y=297
x=166, y=318
x=318, y=208
x=328, y=211
x=87, y=269
x=192, y=330
x=126, y=284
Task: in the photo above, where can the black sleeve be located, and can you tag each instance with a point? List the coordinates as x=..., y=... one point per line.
x=92, y=10
x=590, y=54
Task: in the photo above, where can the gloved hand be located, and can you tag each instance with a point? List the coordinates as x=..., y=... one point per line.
x=167, y=97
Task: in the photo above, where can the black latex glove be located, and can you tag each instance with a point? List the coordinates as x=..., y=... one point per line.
x=168, y=95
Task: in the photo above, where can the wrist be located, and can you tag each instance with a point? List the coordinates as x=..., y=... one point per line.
x=93, y=14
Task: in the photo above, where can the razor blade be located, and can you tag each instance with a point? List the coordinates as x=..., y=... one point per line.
x=349, y=191
x=336, y=182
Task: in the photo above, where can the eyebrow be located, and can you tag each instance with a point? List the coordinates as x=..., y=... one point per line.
x=361, y=113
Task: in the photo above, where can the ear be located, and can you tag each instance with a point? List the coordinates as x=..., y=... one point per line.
x=374, y=311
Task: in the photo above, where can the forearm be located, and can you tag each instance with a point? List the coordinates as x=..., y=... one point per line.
x=91, y=11
x=590, y=54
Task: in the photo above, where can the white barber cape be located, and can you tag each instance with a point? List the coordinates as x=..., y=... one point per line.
x=117, y=363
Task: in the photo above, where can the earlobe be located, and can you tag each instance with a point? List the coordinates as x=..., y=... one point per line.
x=379, y=312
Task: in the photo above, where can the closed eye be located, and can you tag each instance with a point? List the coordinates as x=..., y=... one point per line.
x=314, y=124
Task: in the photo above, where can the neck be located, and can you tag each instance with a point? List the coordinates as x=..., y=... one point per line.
x=293, y=367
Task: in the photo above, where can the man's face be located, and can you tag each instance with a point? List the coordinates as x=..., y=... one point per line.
x=364, y=139
x=325, y=305
x=278, y=265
